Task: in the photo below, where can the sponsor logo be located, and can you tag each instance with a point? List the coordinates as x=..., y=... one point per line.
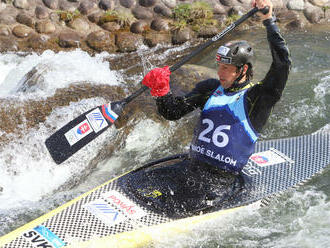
x=109, y=113
x=78, y=132
x=223, y=50
x=42, y=237
x=224, y=32
x=97, y=120
x=84, y=128
x=128, y=207
x=267, y=158
x=150, y=193
x=251, y=170
x=217, y=93
x=216, y=156
x=106, y=213
x=223, y=59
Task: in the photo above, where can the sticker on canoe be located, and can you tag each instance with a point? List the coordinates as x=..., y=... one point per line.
x=125, y=205
x=266, y=158
x=41, y=236
x=104, y=212
x=109, y=113
x=78, y=132
x=97, y=120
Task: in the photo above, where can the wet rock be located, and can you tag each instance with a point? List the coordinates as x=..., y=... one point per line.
x=67, y=6
x=54, y=17
x=277, y=4
x=33, y=79
x=127, y=3
x=247, y=4
x=25, y=19
x=21, y=31
x=183, y=35
x=229, y=3
x=153, y=38
x=111, y=26
x=21, y=4
x=320, y=3
x=95, y=17
x=87, y=7
x=45, y=27
x=219, y=9
x=287, y=16
x=5, y=30
x=313, y=14
x=2, y=6
x=128, y=42
x=147, y=3
x=159, y=25
x=169, y=3
x=41, y=12
x=7, y=16
x=327, y=15
x=69, y=39
x=187, y=75
x=52, y=4
x=106, y=4
x=163, y=10
x=101, y=41
x=40, y=42
x=296, y=5
x=139, y=27
x=80, y=25
x=142, y=13
x=34, y=112
x=295, y=24
x=8, y=44
x=236, y=10
x=208, y=31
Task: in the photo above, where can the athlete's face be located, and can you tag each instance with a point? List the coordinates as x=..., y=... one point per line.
x=227, y=74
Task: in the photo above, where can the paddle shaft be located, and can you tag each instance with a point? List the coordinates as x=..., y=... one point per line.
x=200, y=49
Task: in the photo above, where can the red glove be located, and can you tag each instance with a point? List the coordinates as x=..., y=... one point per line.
x=158, y=80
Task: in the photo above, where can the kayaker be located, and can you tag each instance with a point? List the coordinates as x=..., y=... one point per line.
x=234, y=109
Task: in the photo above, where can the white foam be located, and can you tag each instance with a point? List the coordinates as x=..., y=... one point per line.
x=297, y=219
x=63, y=69
x=28, y=173
x=323, y=88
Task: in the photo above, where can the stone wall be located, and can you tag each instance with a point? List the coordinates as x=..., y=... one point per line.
x=122, y=25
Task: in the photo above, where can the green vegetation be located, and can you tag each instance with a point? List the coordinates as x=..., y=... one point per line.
x=325, y=8
x=197, y=14
x=201, y=10
x=232, y=18
x=123, y=18
x=68, y=16
x=178, y=25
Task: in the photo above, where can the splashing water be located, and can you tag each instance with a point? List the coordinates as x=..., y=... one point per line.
x=296, y=219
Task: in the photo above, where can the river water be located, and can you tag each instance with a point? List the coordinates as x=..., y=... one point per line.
x=32, y=184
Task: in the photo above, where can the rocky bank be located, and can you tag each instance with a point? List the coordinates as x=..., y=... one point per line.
x=123, y=25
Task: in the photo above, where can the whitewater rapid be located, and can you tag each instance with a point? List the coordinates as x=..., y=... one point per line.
x=33, y=184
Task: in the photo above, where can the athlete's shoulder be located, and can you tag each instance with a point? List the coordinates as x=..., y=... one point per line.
x=208, y=85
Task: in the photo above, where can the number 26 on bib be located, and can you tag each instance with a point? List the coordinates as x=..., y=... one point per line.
x=219, y=137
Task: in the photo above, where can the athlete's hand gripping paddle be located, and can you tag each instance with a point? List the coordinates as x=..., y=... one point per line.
x=86, y=127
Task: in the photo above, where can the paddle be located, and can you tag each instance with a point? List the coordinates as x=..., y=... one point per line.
x=86, y=127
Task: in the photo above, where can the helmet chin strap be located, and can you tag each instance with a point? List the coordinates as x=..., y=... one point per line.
x=238, y=79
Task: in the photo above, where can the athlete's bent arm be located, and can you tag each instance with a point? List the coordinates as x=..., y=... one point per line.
x=174, y=107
